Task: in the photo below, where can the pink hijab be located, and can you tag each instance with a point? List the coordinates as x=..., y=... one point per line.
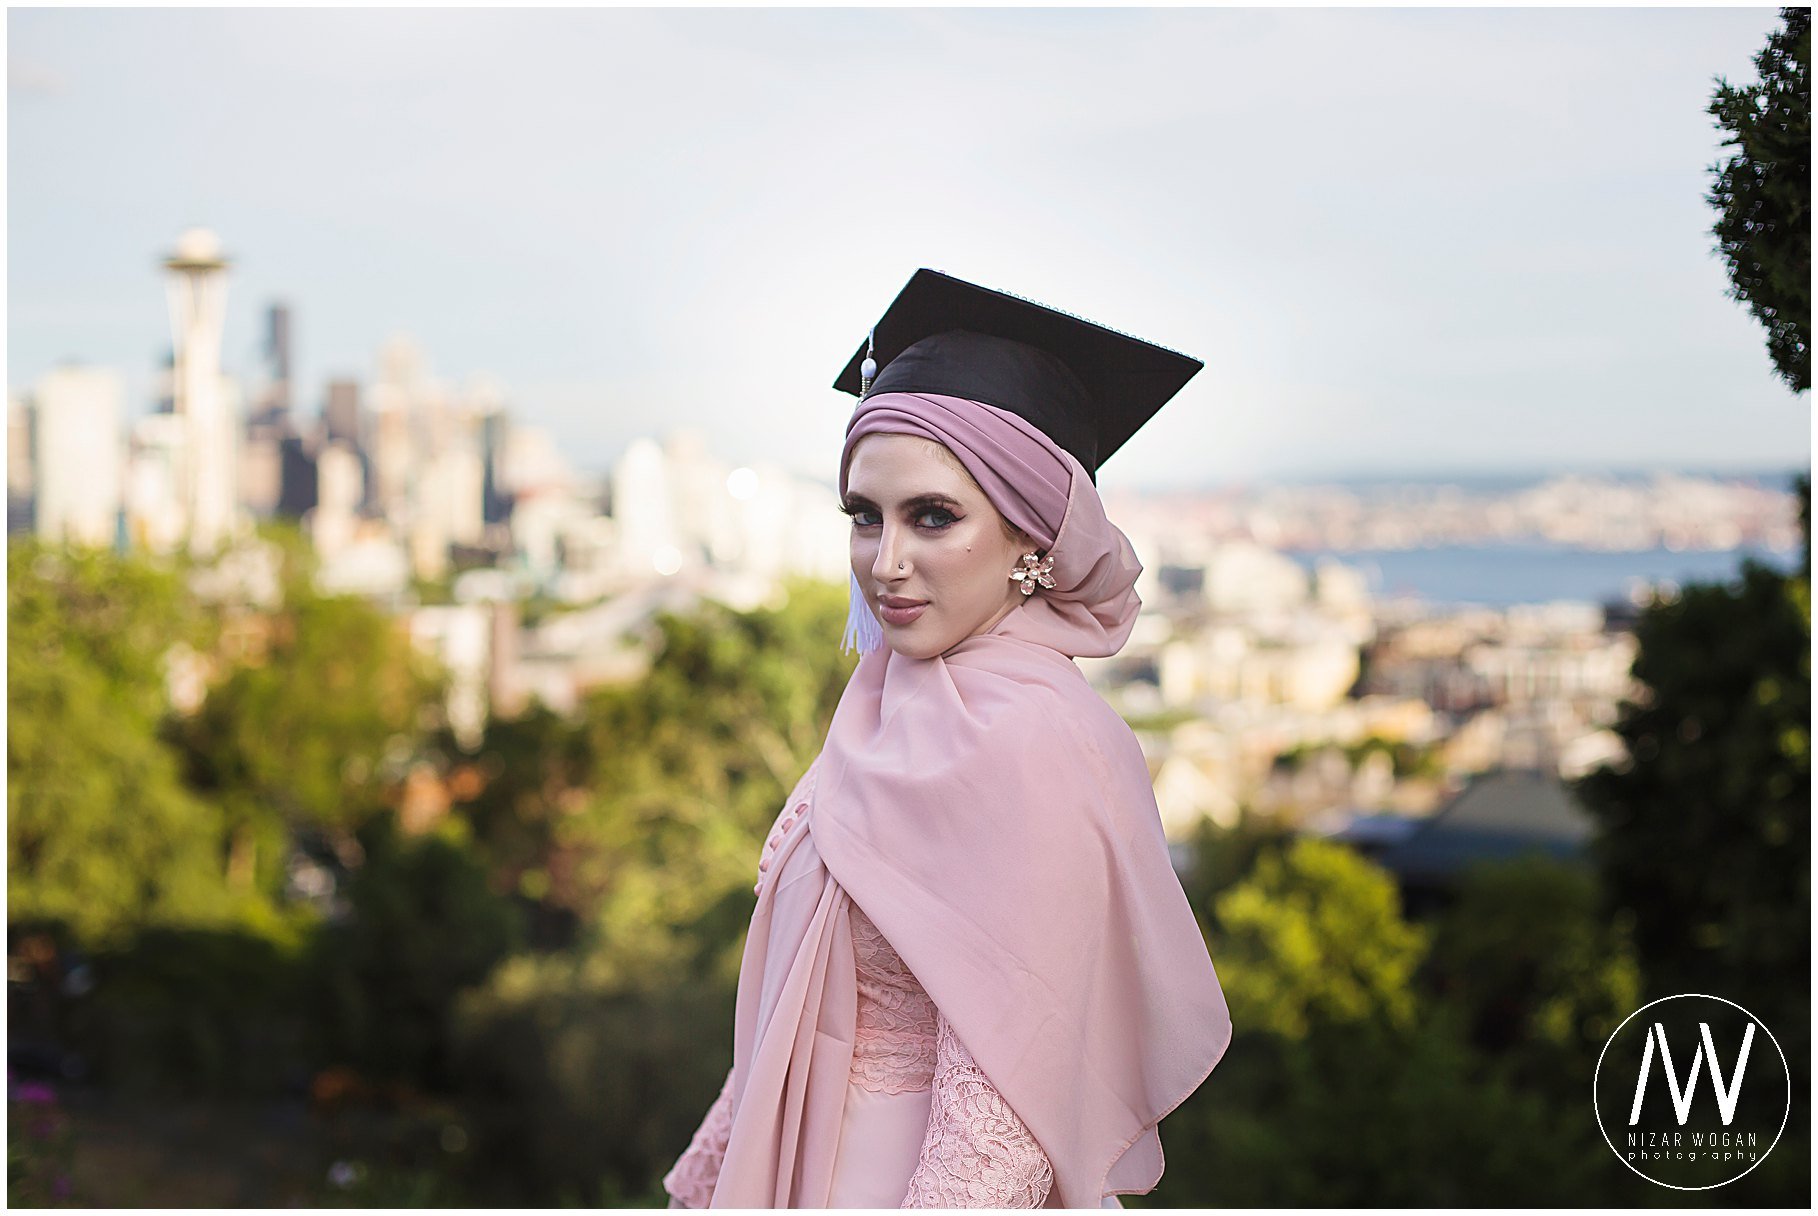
x=994, y=817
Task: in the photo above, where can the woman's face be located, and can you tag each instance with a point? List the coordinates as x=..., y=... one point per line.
x=924, y=533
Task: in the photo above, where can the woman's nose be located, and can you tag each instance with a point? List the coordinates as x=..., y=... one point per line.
x=889, y=555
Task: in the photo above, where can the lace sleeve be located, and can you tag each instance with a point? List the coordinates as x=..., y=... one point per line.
x=976, y=1153
x=691, y=1180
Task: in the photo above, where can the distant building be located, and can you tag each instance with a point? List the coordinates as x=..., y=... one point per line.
x=297, y=477
x=261, y=473
x=277, y=363
x=495, y=431
x=78, y=412
x=341, y=413
x=277, y=468
x=333, y=519
x=155, y=505
x=1500, y=815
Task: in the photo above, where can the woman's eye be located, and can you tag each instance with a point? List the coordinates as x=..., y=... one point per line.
x=856, y=513
x=934, y=519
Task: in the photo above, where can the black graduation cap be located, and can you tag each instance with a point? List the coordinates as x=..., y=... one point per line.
x=1084, y=386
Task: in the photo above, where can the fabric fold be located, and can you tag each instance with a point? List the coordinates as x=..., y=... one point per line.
x=794, y=1027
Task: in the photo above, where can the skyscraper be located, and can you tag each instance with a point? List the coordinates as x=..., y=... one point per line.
x=79, y=470
x=341, y=412
x=276, y=403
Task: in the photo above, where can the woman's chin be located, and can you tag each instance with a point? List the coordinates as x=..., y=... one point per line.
x=913, y=641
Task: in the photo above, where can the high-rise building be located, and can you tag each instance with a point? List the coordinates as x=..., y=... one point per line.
x=297, y=477
x=276, y=403
x=79, y=457
x=261, y=473
x=393, y=454
x=341, y=413
x=643, y=509
x=197, y=289
x=495, y=430
x=276, y=472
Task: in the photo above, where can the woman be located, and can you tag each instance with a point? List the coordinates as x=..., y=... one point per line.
x=971, y=978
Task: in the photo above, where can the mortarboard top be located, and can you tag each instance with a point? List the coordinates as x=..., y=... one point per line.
x=1084, y=386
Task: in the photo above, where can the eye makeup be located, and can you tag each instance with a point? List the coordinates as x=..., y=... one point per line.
x=917, y=507
x=920, y=500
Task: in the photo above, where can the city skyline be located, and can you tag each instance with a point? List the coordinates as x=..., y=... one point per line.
x=628, y=287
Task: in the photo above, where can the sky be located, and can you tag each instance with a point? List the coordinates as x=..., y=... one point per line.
x=1402, y=240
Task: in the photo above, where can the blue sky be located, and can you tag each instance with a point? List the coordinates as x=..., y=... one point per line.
x=1401, y=239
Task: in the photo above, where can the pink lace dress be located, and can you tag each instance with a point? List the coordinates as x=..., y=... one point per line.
x=922, y=1126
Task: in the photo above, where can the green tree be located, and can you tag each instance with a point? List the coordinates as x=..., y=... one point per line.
x=1537, y=976
x=1763, y=194
x=532, y=771
x=424, y=925
x=102, y=835
x=1342, y=1084
x=313, y=719
x=1705, y=828
x=1313, y=939
x=688, y=768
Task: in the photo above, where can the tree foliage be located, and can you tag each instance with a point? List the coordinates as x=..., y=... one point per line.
x=1313, y=938
x=1537, y=975
x=1763, y=194
x=1346, y=1083
x=1705, y=829
x=318, y=708
x=652, y=806
x=102, y=836
x=425, y=926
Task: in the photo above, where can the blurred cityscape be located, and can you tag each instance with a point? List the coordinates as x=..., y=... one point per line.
x=1253, y=678
x=384, y=902
x=387, y=777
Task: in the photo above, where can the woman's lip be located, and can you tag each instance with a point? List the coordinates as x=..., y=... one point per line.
x=900, y=616
x=899, y=601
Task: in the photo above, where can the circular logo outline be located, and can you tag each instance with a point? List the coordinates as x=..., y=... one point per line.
x=1785, y=1069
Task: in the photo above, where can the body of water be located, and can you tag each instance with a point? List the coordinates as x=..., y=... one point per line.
x=1500, y=575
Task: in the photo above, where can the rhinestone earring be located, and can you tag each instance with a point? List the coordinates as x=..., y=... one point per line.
x=1033, y=572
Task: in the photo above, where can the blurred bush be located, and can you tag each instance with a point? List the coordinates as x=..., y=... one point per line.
x=573, y=1083
x=423, y=925
x=196, y=1012
x=1535, y=973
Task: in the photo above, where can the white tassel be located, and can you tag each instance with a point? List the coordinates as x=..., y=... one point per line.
x=860, y=624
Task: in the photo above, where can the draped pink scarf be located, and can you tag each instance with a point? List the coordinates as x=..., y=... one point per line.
x=994, y=817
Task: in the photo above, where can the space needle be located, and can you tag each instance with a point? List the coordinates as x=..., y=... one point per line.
x=197, y=290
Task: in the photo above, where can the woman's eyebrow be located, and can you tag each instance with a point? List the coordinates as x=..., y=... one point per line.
x=920, y=500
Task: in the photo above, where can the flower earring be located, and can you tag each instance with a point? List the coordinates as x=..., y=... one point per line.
x=1031, y=573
